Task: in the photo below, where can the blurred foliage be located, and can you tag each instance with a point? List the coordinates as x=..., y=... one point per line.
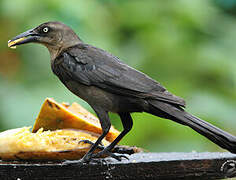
x=188, y=46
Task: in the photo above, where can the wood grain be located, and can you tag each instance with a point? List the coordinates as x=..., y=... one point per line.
x=139, y=166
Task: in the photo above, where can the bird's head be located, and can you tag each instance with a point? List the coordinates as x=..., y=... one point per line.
x=55, y=36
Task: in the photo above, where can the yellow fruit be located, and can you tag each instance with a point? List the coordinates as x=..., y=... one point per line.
x=54, y=116
x=61, y=144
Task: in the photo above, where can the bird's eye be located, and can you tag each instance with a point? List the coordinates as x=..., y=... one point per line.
x=45, y=29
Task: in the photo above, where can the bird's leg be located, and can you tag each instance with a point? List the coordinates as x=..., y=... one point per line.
x=127, y=123
x=106, y=125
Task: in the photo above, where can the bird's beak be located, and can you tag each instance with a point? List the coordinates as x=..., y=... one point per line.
x=23, y=38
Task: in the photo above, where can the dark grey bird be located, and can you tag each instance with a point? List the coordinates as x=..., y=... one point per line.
x=109, y=85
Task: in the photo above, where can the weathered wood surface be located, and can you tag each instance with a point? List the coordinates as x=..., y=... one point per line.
x=139, y=166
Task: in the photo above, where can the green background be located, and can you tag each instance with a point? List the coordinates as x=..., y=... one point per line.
x=189, y=46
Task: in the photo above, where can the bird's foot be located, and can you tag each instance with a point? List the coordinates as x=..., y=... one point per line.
x=90, y=158
x=85, y=160
x=106, y=152
x=117, y=149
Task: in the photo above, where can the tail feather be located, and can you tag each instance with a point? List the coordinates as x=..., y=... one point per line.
x=216, y=135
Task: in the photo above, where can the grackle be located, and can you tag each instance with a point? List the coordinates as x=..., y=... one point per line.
x=109, y=85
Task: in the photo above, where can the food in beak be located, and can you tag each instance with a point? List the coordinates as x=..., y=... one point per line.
x=12, y=43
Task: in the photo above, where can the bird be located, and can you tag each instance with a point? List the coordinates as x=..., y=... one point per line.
x=107, y=84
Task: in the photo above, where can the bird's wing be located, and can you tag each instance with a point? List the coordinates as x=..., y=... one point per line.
x=92, y=66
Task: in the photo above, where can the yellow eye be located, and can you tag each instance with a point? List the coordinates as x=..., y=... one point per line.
x=45, y=29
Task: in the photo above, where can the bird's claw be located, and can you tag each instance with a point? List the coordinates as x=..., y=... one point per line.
x=118, y=157
x=86, y=159
x=104, y=151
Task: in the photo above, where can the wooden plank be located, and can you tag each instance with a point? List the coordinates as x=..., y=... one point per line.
x=139, y=166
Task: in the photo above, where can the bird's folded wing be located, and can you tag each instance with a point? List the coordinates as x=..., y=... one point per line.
x=92, y=66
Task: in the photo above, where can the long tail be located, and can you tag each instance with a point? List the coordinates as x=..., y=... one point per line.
x=216, y=135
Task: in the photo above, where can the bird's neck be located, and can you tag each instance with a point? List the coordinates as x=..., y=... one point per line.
x=54, y=51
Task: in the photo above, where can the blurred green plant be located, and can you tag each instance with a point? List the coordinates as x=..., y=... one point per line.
x=188, y=46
